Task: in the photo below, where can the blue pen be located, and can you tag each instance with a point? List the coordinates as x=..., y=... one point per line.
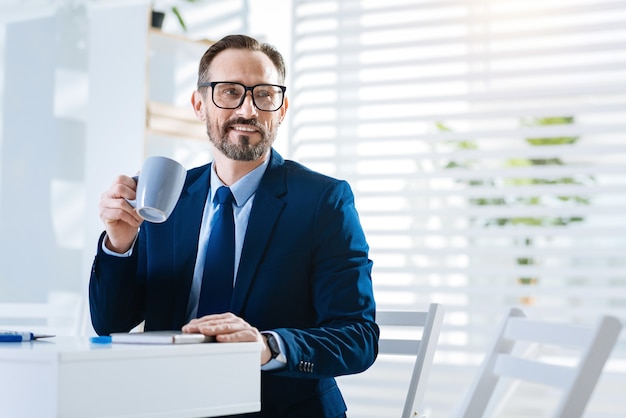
x=23, y=336
x=15, y=336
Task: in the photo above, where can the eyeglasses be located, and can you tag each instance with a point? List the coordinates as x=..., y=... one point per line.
x=230, y=95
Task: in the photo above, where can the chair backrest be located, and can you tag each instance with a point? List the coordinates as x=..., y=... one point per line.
x=514, y=355
x=398, y=330
x=62, y=314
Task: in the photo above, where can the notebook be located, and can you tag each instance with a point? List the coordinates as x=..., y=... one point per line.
x=160, y=337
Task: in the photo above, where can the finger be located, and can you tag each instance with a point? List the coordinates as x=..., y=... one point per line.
x=114, y=210
x=213, y=326
x=130, y=182
x=214, y=319
x=226, y=316
x=244, y=335
x=123, y=187
x=203, y=329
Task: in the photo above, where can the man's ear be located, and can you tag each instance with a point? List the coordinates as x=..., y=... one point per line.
x=283, y=109
x=197, y=101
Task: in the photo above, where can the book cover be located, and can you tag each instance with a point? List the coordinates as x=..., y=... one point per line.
x=160, y=337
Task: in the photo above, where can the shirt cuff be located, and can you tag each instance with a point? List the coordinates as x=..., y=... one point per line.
x=113, y=253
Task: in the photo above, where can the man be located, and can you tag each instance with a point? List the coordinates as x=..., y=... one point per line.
x=302, y=284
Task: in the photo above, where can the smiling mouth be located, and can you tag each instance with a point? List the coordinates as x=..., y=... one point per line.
x=244, y=129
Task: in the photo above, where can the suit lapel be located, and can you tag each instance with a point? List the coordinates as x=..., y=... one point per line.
x=186, y=234
x=266, y=209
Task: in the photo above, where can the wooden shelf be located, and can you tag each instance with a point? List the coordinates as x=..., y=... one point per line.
x=169, y=120
x=171, y=72
x=176, y=37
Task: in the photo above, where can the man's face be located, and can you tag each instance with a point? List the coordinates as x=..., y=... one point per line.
x=245, y=133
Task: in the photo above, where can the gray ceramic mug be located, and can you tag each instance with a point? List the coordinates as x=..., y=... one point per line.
x=159, y=185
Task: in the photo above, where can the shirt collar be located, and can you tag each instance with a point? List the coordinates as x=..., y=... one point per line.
x=244, y=188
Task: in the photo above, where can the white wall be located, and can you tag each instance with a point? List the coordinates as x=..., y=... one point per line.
x=72, y=112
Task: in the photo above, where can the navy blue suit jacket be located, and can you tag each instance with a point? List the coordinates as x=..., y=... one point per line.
x=304, y=273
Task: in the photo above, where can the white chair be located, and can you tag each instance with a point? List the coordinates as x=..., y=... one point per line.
x=62, y=314
x=397, y=340
x=518, y=355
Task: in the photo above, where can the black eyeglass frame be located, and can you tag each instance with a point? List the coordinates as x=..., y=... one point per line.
x=247, y=89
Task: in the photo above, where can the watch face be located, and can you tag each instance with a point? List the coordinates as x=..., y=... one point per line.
x=273, y=345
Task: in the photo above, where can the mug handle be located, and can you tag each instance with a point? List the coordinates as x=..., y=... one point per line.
x=133, y=202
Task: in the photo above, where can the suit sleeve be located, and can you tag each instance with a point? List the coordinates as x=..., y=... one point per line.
x=345, y=338
x=115, y=292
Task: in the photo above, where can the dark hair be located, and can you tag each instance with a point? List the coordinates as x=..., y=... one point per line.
x=240, y=42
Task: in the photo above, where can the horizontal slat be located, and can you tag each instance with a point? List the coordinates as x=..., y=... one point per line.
x=401, y=318
x=478, y=318
x=397, y=347
x=302, y=38
x=409, y=81
x=347, y=49
x=581, y=190
x=511, y=250
x=494, y=99
x=484, y=98
x=422, y=8
x=594, y=298
x=308, y=117
x=518, y=211
x=509, y=270
x=486, y=141
x=514, y=110
x=462, y=174
x=478, y=136
x=547, y=332
x=483, y=159
x=533, y=371
x=511, y=232
x=404, y=319
x=479, y=328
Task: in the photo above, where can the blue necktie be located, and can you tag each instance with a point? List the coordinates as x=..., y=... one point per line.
x=219, y=263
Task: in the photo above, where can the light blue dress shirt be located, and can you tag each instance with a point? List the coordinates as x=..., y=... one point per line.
x=243, y=191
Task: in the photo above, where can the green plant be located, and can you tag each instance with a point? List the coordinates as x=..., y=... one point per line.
x=538, y=199
x=176, y=12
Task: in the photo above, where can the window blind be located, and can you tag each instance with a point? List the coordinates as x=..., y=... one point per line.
x=485, y=142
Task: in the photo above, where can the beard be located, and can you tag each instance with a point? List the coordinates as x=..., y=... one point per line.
x=241, y=149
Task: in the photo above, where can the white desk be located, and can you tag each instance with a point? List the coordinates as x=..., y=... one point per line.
x=67, y=377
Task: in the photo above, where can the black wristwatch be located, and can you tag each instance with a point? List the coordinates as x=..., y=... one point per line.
x=272, y=344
